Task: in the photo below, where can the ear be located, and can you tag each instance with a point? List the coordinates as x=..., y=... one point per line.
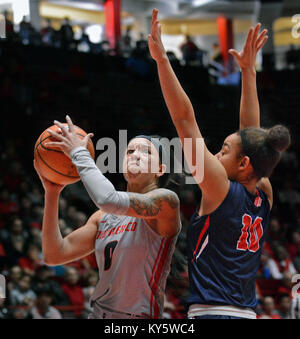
x=245, y=163
x=162, y=170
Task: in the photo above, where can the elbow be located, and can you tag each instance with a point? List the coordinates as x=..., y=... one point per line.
x=109, y=203
x=51, y=261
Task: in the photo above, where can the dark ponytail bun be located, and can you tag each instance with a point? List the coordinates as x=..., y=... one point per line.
x=278, y=138
x=264, y=147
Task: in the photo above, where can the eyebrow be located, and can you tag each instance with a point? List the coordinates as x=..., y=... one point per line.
x=225, y=144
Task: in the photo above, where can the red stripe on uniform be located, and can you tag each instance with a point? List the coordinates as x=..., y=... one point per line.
x=159, y=273
x=206, y=225
x=153, y=270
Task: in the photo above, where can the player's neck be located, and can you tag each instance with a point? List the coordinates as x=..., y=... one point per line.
x=141, y=188
x=250, y=185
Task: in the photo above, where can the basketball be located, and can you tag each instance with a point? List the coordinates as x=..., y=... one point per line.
x=53, y=163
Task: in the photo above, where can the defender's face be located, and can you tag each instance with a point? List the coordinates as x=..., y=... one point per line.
x=229, y=155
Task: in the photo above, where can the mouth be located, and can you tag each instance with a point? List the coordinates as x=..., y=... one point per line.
x=133, y=167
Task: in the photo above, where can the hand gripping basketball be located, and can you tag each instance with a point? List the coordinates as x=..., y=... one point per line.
x=68, y=139
x=52, y=152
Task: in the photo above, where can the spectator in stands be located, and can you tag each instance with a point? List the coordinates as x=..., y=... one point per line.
x=189, y=50
x=42, y=281
x=269, y=310
x=7, y=206
x=280, y=264
x=264, y=270
x=289, y=160
x=91, y=282
x=35, y=195
x=71, y=217
x=26, y=31
x=137, y=64
x=37, y=212
x=285, y=306
x=16, y=229
x=15, y=250
x=3, y=309
x=19, y=313
x=73, y=290
x=66, y=34
x=43, y=308
x=81, y=219
x=126, y=42
x=23, y=294
x=25, y=209
x=286, y=285
x=105, y=47
x=173, y=59
x=47, y=34
x=15, y=274
x=35, y=234
x=216, y=55
x=65, y=229
x=289, y=195
x=275, y=231
x=293, y=244
x=9, y=26
x=142, y=44
x=216, y=65
x=63, y=204
x=32, y=260
x=84, y=45
x=292, y=57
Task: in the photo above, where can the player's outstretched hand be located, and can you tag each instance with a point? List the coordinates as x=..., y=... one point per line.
x=246, y=58
x=156, y=46
x=68, y=139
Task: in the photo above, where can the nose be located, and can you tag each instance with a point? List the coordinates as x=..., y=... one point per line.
x=218, y=155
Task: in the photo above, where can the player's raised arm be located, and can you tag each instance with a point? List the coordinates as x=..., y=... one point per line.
x=215, y=183
x=249, y=106
x=246, y=59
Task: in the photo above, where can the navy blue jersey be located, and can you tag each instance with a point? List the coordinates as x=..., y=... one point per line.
x=224, y=249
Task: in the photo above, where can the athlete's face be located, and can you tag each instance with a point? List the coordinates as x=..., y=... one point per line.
x=141, y=161
x=229, y=155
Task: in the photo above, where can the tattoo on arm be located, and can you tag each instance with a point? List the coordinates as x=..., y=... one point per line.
x=152, y=203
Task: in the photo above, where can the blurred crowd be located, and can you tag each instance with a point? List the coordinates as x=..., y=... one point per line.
x=31, y=95
x=65, y=37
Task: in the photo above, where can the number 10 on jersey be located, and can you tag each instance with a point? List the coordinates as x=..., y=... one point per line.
x=255, y=230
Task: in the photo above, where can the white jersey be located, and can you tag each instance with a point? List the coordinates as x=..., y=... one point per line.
x=134, y=263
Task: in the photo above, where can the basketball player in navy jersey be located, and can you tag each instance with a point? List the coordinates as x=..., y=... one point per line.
x=133, y=234
x=226, y=232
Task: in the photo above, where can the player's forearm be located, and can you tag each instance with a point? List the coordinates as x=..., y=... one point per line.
x=52, y=241
x=249, y=107
x=177, y=101
x=99, y=188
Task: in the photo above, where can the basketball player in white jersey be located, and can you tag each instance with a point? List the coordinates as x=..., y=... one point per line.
x=133, y=233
